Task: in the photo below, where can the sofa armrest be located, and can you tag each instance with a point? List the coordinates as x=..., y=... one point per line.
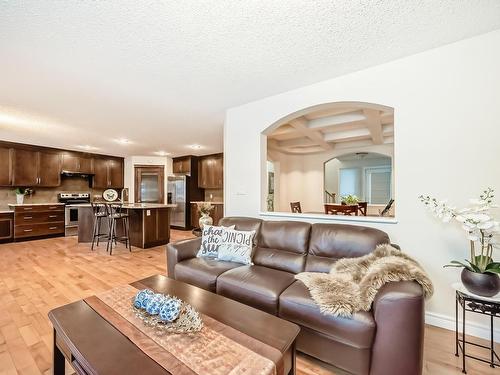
x=398, y=310
x=179, y=251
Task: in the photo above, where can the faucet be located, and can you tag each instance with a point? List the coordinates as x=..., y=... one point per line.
x=123, y=192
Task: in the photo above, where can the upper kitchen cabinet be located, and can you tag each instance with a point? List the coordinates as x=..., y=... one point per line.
x=49, y=169
x=108, y=173
x=182, y=165
x=36, y=168
x=5, y=166
x=75, y=163
x=210, y=172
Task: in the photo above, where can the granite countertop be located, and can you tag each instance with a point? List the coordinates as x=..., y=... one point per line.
x=212, y=202
x=35, y=204
x=147, y=206
x=5, y=210
x=132, y=206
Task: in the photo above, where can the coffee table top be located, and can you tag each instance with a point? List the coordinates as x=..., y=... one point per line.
x=101, y=348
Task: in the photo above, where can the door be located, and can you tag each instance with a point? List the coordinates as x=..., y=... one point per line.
x=177, y=188
x=25, y=171
x=115, y=173
x=100, y=173
x=49, y=169
x=5, y=166
x=149, y=184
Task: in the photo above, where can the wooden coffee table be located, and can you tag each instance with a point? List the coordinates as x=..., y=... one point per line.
x=94, y=346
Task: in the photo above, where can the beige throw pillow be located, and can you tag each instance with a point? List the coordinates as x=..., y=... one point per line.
x=236, y=246
x=211, y=236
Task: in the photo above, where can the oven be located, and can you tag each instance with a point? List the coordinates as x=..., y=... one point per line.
x=72, y=201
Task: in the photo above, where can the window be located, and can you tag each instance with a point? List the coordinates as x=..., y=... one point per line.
x=378, y=185
x=350, y=181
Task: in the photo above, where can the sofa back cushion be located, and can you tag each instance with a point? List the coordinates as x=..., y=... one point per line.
x=242, y=223
x=330, y=242
x=282, y=245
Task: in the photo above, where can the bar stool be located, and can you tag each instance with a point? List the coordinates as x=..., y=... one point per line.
x=116, y=214
x=99, y=212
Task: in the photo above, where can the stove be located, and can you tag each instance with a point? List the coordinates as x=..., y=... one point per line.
x=72, y=200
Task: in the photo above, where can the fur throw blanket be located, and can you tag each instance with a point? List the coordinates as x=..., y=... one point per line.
x=353, y=283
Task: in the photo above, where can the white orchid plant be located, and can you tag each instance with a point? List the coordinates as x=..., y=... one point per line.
x=480, y=228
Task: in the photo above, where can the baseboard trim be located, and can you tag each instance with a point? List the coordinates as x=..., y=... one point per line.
x=471, y=328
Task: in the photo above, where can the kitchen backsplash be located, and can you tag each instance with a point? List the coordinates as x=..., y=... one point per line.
x=49, y=195
x=217, y=195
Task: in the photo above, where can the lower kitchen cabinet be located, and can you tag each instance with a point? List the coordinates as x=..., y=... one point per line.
x=6, y=226
x=41, y=220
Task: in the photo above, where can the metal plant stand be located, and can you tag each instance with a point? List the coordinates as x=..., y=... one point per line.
x=478, y=305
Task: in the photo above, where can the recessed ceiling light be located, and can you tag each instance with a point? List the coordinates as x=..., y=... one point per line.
x=87, y=147
x=123, y=141
x=162, y=153
x=195, y=146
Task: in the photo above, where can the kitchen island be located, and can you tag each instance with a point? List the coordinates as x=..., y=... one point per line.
x=149, y=223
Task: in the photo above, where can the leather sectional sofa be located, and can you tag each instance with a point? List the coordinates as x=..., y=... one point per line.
x=388, y=340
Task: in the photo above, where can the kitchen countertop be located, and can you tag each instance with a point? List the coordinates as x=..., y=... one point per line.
x=212, y=202
x=35, y=204
x=5, y=210
x=132, y=206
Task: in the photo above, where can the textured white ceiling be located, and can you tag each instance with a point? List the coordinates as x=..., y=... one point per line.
x=161, y=73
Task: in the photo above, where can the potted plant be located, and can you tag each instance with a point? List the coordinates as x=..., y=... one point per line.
x=20, y=193
x=350, y=199
x=480, y=272
x=204, y=208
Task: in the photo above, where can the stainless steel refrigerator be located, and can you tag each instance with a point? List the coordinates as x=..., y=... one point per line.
x=178, y=194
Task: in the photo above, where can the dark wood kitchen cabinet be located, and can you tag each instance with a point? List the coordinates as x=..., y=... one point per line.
x=5, y=166
x=36, y=168
x=49, y=169
x=210, y=172
x=6, y=226
x=182, y=165
x=38, y=220
x=75, y=163
x=25, y=169
x=108, y=173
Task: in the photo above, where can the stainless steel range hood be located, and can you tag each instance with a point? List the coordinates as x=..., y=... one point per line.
x=76, y=174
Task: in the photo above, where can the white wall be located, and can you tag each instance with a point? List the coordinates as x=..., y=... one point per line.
x=447, y=134
x=132, y=161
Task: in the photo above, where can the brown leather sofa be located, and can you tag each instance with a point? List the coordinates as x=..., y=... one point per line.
x=388, y=340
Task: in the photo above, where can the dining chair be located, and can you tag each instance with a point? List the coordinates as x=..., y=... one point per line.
x=295, y=206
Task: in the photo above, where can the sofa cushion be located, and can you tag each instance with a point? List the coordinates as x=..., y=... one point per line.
x=242, y=223
x=282, y=245
x=296, y=305
x=330, y=242
x=202, y=272
x=255, y=286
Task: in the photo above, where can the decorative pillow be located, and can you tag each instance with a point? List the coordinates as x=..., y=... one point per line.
x=210, y=241
x=236, y=246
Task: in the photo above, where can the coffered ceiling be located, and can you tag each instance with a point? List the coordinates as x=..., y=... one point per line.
x=136, y=77
x=344, y=125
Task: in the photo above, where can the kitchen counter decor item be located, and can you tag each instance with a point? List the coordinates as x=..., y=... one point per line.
x=167, y=313
x=204, y=208
x=110, y=195
x=480, y=272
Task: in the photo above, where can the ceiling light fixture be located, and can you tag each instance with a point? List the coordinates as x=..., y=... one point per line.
x=87, y=147
x=123, y=141
x=195, y=146
x=162, y=153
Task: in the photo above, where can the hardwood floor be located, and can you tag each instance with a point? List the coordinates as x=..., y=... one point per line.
x=37, y=276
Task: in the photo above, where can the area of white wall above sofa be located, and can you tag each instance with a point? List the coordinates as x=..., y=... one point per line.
x=447, y=111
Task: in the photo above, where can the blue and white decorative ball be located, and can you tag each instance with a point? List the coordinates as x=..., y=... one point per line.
x=155, y=303
x=142, y=297
x=170, y=309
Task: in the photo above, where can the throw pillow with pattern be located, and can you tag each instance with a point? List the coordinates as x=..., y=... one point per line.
x=210, y=240
x=236, y=246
